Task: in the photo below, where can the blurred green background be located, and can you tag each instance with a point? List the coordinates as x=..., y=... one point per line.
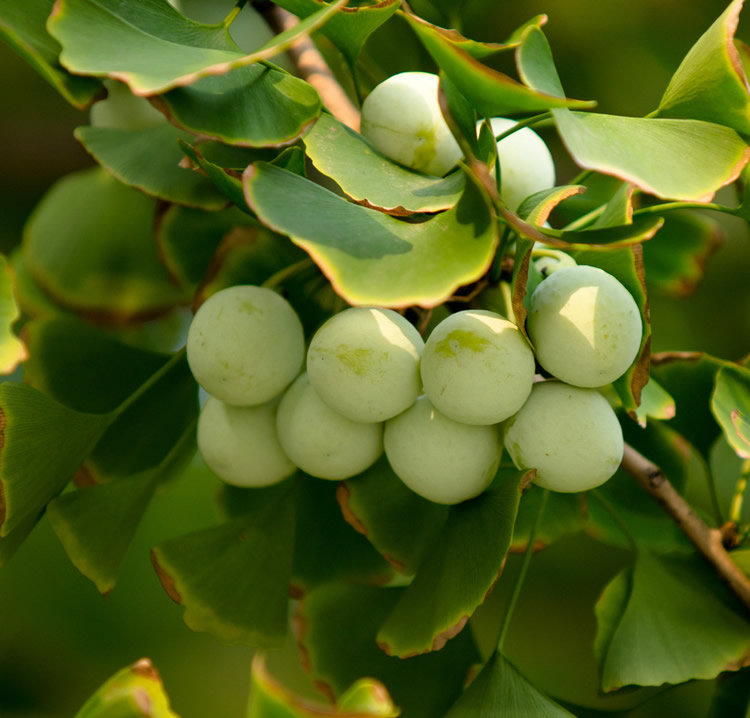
x=59, y=639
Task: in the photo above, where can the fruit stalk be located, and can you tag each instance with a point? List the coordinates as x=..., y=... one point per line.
x=707, y=540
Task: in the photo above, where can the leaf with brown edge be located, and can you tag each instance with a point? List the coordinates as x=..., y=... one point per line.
x=22, y=25
x=370, y=257
x=43, y=445
x=233, y=579
x=492, y=93
x=730, y=404
x=401, y=525
x=136, y=691
x=471, y=549
x=710, y=83
x=158, y=50
x=335, y=627
x=564, y=514
x=372, y=179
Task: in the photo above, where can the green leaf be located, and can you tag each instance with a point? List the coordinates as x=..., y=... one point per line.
x=501, y=689
x=730, y=405
x=564, y=514
x=44, y=444
x=96, y=524
x=471, y=551
x=671, y=627
x=626, y=265
x=153, y=48
x=233, y=579
x=255, y=106
x=270, y=699
x=227, y=181
x=10, y=543
x=492, y=93
x=22, y=25
x=726, y=472
x=656, y=402
x=369, y=257
x=401, y=525
x=336, y=626
x=133, y=692
x=690, y=378
x=12, y=349
x=675, y=260
x=350, y=28
x=672, y=159
x=710, y=83
x=32, y=299
x=149, y=160
x=373, y=180
x=90, y=245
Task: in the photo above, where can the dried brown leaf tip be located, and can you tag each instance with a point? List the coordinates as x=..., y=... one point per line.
x=166, y=580
x=146, y=669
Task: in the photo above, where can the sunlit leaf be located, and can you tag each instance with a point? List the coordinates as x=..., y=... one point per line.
x=373, y=180
x=372, y=258
x=22, y=25
x=471, y=550
x=710, y=83
x=671, y=627
x=133, y=692
x=12, y=349
x=153, y=48
x=656, y=402
x=336, y=626
x=730, y=405
x=149, y=160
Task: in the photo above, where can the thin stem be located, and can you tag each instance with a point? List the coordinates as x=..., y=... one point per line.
x=735, y=508
x=283, y=274
x=618, y=519
x=672, y=206
x=497, y=261
x=229, y=19
x=528, y=122
x=582, y=177
x=522, y=575
x=356, y=84
x=153, y=379
x=586, y=219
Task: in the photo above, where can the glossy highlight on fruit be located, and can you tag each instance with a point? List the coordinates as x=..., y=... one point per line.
x=477, y=368
x=401, y=118
x=320, y=441
x=585, y=326
x=571, y=436
x=364, y=363
x=440, y=459
x=245, y=345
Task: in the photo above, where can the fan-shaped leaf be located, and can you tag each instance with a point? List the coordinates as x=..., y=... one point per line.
x=501, y=689
x=471, y=551
x=730, y=405
x=373, y=180
x=710, y=83
x=134, y=692
x=656, y=402
x=564, y=514
x=369, y=257
x=23, y=25
x=149, y=160
x=336, y=626
x=401, y=525
x=153, y=48
x=671, y=627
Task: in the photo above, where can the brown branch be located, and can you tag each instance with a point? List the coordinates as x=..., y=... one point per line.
x=707, y=540
x=313, y=68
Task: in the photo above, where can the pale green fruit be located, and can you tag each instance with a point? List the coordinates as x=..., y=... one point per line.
x=477, y=368
x=320, y=441
x=552, y=261
x=122, y=110
x=526, y=165
x=245, y=345
x=585, y=326
x=571, y=436
x=401, y=118
x=364, y=363
x=239, y=443
x=438, y=458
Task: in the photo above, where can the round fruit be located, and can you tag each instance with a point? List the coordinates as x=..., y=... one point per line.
x=401, y=118
x=477, y=368
x=239, y=443
x=571, y=436
x=122, y=110
x=549, y=260
x=364, y=363
x=585, y=326
x=245, y=345
x=320, y=441
x=438, y=458
x=526, y=165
